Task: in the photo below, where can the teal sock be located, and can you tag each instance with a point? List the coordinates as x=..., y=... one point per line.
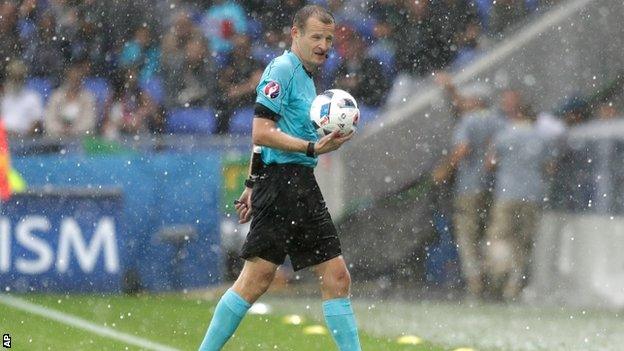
x=341, y=323
x=228, y=314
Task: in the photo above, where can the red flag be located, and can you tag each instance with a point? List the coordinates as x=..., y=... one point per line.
x=5, y=164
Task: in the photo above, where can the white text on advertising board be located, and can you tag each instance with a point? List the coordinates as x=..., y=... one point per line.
x=71, y=243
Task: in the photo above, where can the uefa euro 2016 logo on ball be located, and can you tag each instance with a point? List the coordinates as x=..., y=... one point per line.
x=334, y=109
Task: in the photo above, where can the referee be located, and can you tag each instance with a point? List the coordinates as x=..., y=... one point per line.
x=289, y=214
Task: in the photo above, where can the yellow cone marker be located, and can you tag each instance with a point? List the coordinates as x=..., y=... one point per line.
x=292, y=319
x=409, y=340
x=465, y=349
x=315, y=330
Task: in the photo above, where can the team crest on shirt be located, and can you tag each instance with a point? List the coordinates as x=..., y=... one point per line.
x=272, y=89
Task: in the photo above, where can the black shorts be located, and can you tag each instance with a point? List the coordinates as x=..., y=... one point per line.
x=290, y=218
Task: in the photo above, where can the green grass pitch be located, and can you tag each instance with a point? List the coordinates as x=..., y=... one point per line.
x=173, y=320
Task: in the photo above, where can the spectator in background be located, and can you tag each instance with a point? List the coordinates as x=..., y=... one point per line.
x=417, y=38
x=174, y=43
x=273, y=44
x=27, y=23
x=607, y=111
x=454, y=19
x=141, y=54
x=10, y=45
x=510, y=104
x=93, y=43
x=221, y=22
x=472, y=136
x=505, y=13
x=361, y=75
x=571, y=176
x=420, y=49
x=520, y=155
x=22, y=109
x=574, y=111
x=468, y=46
x=383, y=49
x=43, y=52
x=276, y=14
x=67, y=19
x=238, y=81
x=71, y=109
x=131, y=111
x=275, y=18
x=387, y=11
x=192, y=84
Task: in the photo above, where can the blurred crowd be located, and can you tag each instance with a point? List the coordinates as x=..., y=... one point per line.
x=124, y=68
x=507, y=164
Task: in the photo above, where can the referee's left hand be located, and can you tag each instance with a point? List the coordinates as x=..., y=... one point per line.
x=331, y=142
x=243, y=206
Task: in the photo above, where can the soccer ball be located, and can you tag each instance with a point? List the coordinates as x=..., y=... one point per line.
x=334, y=109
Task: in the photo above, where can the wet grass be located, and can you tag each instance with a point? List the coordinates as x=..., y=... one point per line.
x=174, y=320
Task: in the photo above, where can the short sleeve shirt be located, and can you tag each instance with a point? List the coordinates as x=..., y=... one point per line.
x=521, y=153
x=287, y=89
x=475, y=130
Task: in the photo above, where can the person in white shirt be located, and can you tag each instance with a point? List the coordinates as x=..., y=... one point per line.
x=71, y=109
x=21, y=108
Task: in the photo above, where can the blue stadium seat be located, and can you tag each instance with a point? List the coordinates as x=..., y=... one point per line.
x=483, y=11
x=191, y=121
x=387, y=59
x=100, y=88
x=254, y=29
x=241, y=121
x=41, y=85
x=367, y=114
x=221, y=60
x=155, y=88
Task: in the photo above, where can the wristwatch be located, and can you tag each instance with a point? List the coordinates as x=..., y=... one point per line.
x=249, y=182
x=310, y=150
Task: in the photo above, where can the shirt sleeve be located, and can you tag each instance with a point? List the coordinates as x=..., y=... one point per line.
x=273, y=89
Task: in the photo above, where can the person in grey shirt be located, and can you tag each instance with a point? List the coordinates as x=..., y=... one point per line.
x=471, y=139
x=520, y=155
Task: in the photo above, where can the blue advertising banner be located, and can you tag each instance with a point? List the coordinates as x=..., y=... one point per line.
x=62, y=241
x=171, y=219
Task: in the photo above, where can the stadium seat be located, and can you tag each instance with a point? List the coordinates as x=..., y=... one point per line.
x=155, y=88
x=41, y=85
x=100, y=88
x=241, y=120
x=191, y=121
x=387, y=60
x=221, y=60
x=254, y=29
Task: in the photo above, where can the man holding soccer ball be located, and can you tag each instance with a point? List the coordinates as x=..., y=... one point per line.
x=288, y=210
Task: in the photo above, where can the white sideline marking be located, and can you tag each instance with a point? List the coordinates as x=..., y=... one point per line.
x=76, y=322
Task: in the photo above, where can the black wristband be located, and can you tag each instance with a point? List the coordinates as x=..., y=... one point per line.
x=250, y=183
x=310, y=150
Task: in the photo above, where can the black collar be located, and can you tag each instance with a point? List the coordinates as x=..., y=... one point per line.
x=306, y=71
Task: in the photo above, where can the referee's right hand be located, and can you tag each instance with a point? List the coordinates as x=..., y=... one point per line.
x=331, y=142
x=243, y=206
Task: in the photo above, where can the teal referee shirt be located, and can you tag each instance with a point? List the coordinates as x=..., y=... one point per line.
x=287, y=90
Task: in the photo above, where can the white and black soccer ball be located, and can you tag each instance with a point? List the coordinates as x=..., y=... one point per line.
x=334, y=109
